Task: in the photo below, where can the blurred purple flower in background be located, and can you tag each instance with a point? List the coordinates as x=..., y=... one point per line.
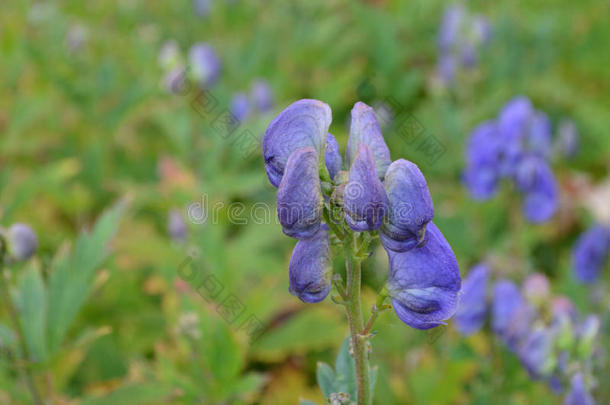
x=591, y=253
x=516, y=146
x=472, y=308
x=567, y=138
x=578, y=394
x=202, y=7
x=176, y=228
x=240, y=106
x=22, y=242
x=204, y=64
x=460, y=38
x=261, y=95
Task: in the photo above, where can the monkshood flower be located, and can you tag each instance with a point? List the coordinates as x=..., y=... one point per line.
x=365, y=129
x=202, y=7
x=261, y=95
x=536, y=352
x=472, y=308
x=310, y=267
x=299, y=196
x=516, y=146
x=204, y=63
x=176, y=228
x=365, y=201
x=21, y=242
x=424, y=282
x=332, y=156
x=410, y=207
x=240, y=106
x=591, y=253
x=303, y=123
x=511, y=315
x=578, y=395
x=461, y=35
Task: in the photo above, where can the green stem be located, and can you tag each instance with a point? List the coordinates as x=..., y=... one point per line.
x=23, y=367
x=356, y=324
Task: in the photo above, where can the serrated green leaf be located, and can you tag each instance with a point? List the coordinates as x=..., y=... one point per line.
x=326, y=379
x=32, y=302
x=72, y=277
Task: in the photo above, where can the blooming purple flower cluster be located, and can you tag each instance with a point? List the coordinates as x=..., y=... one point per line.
x=373, y=194
x=517, y=145
x=545, y=332
x=591, y=253
x=260, y=100
x=460, y=38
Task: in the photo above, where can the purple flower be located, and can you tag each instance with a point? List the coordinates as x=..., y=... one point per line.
x=567, y=138
x=310, y=267
x=536, y=353
x=447, y=68
x=332, y=157
x=22, y=242
x=472, y=308
x=364, y=129
x=591, y=253
x=513, y=123
x=578, y=394
x=364, y=200
x=202, y=7
x=240, y=106
x=176, y=226
x=204, y=63
x=483, y=153
x=302, y=123
x=536, y=179
x=173, y=80
x=511, y=316
x=410, y=207
x=540, y=132
x=261, y=95
x=424, y=282
x=299, y=196
x=449, y=32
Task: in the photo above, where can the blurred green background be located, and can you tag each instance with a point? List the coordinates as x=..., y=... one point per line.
x=85, y=122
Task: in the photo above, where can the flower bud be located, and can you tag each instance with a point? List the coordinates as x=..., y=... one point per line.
x=365, y=129
x=299, y=196
x=410, y=207
x=22, y=242
x=364, y=199
x=424, y=282
x=303, y=123
x=332, y=157
x=472, y=307
x=310, y=267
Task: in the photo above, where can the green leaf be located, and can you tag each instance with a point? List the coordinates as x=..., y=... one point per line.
x=132, y=395
x=345, y=369
x=72, y=276
x=32, y=302
x=326, y=379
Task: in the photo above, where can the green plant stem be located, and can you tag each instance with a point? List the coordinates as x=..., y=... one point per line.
x=356, y=324
x=23, y=367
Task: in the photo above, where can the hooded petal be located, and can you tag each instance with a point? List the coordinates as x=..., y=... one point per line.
x=332, y=157
x=299, y=197
x=424, y=282
x=364, y=200
x=578, y=394
x=410, y=207
x=310, y=267
x=302, y=123
x=365, y=129
x=591, y=253
x=472, y=309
